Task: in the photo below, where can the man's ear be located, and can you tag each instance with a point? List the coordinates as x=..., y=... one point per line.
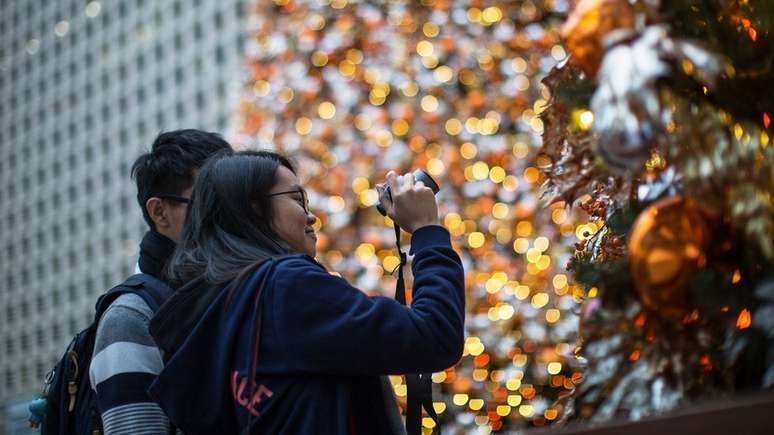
x=157, y=212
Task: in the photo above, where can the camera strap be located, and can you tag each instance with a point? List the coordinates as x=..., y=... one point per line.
x=419, y=386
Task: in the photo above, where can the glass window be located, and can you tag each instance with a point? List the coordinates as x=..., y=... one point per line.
x=24, y=341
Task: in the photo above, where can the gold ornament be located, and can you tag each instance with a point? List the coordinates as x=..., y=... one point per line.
x=587, y=26
x=668, y=242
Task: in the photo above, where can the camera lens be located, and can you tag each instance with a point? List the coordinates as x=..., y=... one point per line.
x=419, y=175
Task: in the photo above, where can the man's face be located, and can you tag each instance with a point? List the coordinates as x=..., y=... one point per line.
x=176, y=211
x=168, y=212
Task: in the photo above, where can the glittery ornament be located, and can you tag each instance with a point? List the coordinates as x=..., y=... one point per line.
x=626, y=105
x=667, y=244
x=588, y=25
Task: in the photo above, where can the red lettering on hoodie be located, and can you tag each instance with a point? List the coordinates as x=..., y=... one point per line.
x=238, y=384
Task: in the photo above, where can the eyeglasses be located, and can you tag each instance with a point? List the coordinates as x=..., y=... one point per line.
x=175, y=198
x=304, y=199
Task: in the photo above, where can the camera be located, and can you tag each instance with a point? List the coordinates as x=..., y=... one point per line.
x=419, y=175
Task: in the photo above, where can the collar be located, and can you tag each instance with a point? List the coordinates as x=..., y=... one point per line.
x=155, y=250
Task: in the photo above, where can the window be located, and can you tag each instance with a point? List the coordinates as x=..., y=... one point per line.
x=56, y=330
x=107, y=248
x=25, y=279
x=89, y=249
x=72, y=293
x=107, y=176
x=24, y=342
x=9, y=379
x=72, y=224
x=41, y=207
x=72, y=261
x=107, y=214
x=126, y=203
x=10, y=314
x=24, y=311
x=25, y=375
x=104, y=78
x=72, y=324
x=40, y=269
x=40, y=369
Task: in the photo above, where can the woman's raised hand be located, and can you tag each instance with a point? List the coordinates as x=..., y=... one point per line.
x=413, y=204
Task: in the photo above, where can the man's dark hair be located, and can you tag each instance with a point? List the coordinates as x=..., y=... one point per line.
x=168, y=169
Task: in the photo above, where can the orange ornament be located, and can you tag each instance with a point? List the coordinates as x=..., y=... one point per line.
x=668, y=242
x=587, y=26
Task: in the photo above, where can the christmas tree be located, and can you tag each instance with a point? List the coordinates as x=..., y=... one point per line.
x=659, y=128
x=354, y=89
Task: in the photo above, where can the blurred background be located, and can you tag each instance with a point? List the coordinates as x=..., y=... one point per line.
x=84, y=89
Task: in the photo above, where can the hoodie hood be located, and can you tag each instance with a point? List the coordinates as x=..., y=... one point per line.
x=200, y=317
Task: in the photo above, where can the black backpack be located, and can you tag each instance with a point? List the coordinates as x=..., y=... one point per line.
x=69, y=405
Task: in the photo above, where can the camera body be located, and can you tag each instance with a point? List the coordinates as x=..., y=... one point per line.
x=419, y=175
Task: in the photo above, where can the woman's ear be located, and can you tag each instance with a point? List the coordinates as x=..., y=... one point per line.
x=157, y=212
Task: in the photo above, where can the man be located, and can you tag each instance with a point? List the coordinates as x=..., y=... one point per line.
x=125, y=359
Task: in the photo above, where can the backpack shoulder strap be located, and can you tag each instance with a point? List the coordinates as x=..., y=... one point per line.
x=152, y=290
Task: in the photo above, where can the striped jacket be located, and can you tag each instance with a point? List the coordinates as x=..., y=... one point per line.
x=125, y=362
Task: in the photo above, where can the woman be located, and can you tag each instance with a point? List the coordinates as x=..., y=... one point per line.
x=260, y=338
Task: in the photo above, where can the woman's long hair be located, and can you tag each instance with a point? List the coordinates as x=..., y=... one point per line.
x=228, y=227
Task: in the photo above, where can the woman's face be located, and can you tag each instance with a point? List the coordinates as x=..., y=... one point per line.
x=292, y=222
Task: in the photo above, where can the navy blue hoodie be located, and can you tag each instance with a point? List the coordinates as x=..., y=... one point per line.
x=314, y=367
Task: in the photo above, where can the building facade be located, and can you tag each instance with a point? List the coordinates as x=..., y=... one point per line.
x=84, y=89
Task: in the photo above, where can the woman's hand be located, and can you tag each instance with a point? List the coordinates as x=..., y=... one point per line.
x=412, y=205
